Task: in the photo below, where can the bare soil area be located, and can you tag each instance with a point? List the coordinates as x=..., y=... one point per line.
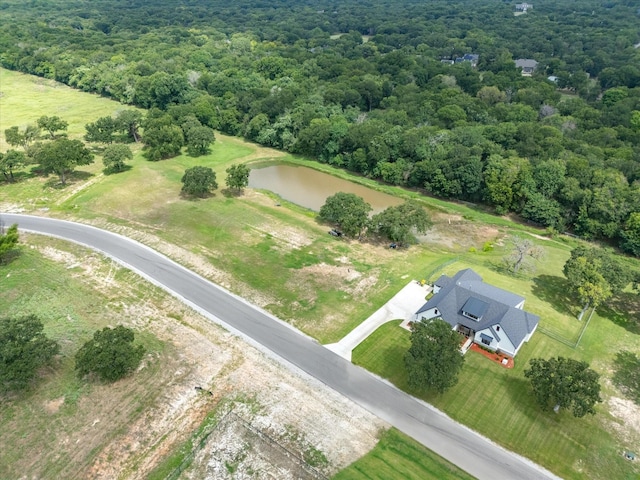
x=126, y=429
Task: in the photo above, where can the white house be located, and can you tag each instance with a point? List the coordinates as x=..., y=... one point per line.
x=490, y=316
x=523, y=7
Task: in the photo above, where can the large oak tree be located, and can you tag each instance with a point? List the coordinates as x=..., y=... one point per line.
x=434, y=359
x=347, y=210
x=24, y=348
x=61, y=156
x=564, y=383
x=110, y=354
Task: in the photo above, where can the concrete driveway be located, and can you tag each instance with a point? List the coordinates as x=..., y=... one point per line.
x=402, y=306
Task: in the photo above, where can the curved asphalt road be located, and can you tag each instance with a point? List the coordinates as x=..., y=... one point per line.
x=463, y=447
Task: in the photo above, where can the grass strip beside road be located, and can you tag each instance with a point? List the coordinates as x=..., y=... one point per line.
x=398, y=456
x=497, y=403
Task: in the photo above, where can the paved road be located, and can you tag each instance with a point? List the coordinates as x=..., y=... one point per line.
x=463, y=447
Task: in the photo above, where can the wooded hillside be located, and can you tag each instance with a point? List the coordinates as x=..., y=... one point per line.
x=382, y=88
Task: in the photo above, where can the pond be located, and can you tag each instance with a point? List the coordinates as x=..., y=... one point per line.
x=310, y=188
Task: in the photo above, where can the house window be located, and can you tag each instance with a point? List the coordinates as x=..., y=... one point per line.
x=486, y=339
x=498, y=328
x=435, y=311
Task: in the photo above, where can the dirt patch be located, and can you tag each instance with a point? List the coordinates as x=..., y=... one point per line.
x=287, y=237
x=52, y=406
x=629, y=415
x=454, y=232
x=124, y=430
x=237, y=449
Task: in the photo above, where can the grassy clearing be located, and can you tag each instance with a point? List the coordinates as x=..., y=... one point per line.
x=61, y=411
x=301, y=274
x=501, y=406
x=281, y=259
x=398, y=456
x=26, y=98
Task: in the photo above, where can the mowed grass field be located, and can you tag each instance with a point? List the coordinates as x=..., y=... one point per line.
x=280, y=258
x=398, y=456
x=498, y=403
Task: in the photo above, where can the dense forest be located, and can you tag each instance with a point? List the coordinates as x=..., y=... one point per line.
x=380, y=88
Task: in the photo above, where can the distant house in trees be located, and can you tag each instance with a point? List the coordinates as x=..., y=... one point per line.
x=523, y=7
x=528, y=66
x=469, y=57
x=486, y=315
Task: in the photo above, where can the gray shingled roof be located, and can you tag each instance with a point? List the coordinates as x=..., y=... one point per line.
x=526, y=63
x=475, y=307
x=467, y=284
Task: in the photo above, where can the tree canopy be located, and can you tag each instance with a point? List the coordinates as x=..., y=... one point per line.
x=564, y=383
x=11, y=160
x=61, y=156
x=238, y=176
x=347, y=210
x=52, y=125
x=594, y=275
x=114, y=157
x=434, y=359
x=24, y=348
x=17, y=138
x=101, y=131
x=522, y=255
x=109, y=355
x=8, y=240
x=398, y=223
x=199, y=181
x=439, y=107
x=199, y=139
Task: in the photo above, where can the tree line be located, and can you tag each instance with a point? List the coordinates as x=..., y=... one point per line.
x=377, y=99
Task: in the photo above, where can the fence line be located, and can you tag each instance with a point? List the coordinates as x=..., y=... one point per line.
x=561, y=339
x=440, y=267
x=186, y=461
x=557, y=337
x=264, y=436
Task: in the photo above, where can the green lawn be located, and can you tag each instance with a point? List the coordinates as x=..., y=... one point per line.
x=497, y=402
x=398, y=456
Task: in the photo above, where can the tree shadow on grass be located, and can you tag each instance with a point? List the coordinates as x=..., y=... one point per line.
x=623, y=310
x=111, y=171
x=520, y=390
x=627, y=374
x=232, y=192
x=17, y=177
x=554, y=290
x=10, y=256
x=71, y=178
x=196, y=198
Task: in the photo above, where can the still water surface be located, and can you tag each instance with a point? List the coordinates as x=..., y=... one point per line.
x=310, y=188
